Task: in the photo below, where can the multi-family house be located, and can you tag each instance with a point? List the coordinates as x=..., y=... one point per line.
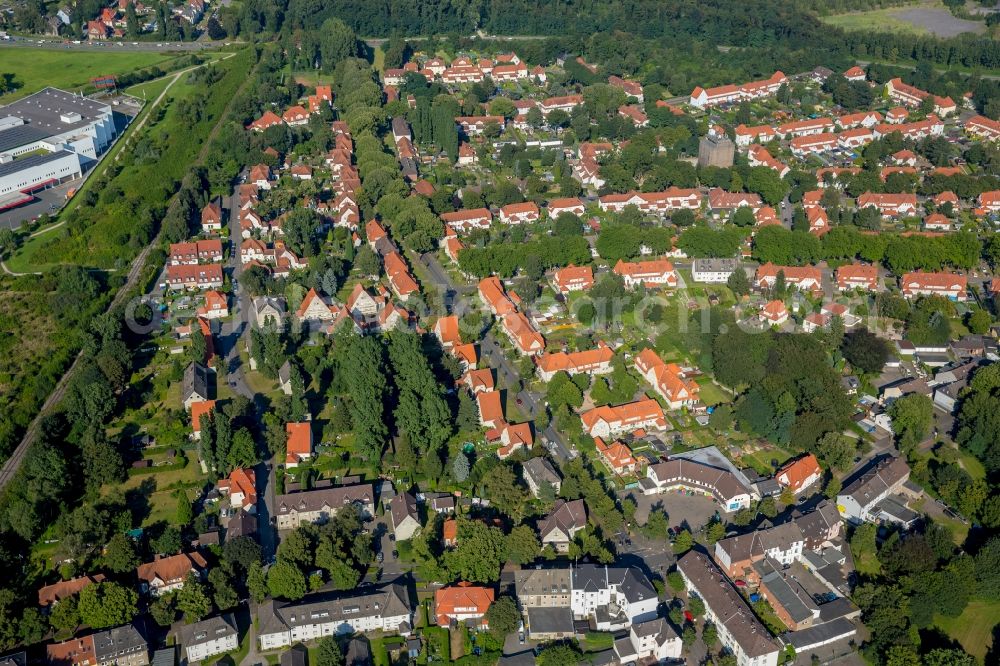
x=560, y=527
x=573, y=278
x=656, y=272
x=463, y=603
x=595, y=361
x=739, y=630
x=405, y=516
x=919, y=283
x=870, y=497
x=166, y=574
x=609, y=421
x=320, y=504
x=208, y=638
x=387, y=610
x=669, y=380
x=655, y=641
x=539, y=474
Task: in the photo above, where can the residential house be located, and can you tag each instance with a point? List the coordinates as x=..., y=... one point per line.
x=267, y=309
x=512, y=437
x=616, y=456
x=519, y=330
x=774, y=313
x=241, y=487
x=657, y=272
x=490, y=409
x=120, y=646
x=211, y=217
x=869, y=498
x=198, y=410
x=539, y=474
x=571, y=205
x=320, y=504
x=612, y=598
x=405, y=516
x=949, y=285
x=494, y=296
x=595, y=361
x=205, y=276
x=655, y=641
x=520, y=213
x=804, y=278
x=799, y=474
x=857, y=276
x=299, y=443
x=739, y=630
x=387, y=610
x=573, y=278
x=889, y=205
x=208, y=638
x=610, y=421
x=215, y=307
x=715, y=271
x=669, y=380
x=166, y=574
x=50, y=595
x=463, y=603
x=194, y=384
x=564, y=522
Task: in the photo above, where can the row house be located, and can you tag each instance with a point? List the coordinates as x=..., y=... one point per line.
x=889, y=205
x=983, y=128
x=630, y=87
x=857, y=137
x=562, y=103
x=191, y=254
x=989, y=202
x=205, y=276
x=912, y=96
x=810, y=144
x=673, y=198
x=525, y=338
x=857, y=276
x=764, y=87
x=669, y=380
x=495, y=297
x=706, y=97
x=616, y=456
x=806, y=127
x=463, y=74
x=595, y=361
x=398, y=274
x=656, y=272
x=319, y=505
x=253, y=250
x=828, y=175
x=475, y=125
x=634, y=113
x=520, y=213
x=571, y=205
x=610, y=421
x=267, y=120
x=387, y=610
x=867, y=119
x=934, y=284
x=804, y=278
x=921, y=129
x=719, y=200
x=573, y=278
x=760, y=156
x=466, y=220
x=511, y=72
x=738, y=628
x=758, y=134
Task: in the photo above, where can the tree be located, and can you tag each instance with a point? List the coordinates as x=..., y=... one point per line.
x=865, y=351
x=185, y=512
x=676, y=581
x=709, y=634
x=120, y=555
x=460, y=467
x=912, y=416
x=683, y=542
x=223, y=593
x=337, y=43
x=257, y=582
x=738, y=282
x=366, y=261
x=696, y=606
x=503, y=617
x=286, y=581
x=714, y=532
x=479, y=553
x=328, y=652
x=979, y=321
x=522, y=545
x=192, y=599
x=65, y=615
x=559, y=654
x=107, y=605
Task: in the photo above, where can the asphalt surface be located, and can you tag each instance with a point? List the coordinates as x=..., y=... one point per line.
x=55, y=42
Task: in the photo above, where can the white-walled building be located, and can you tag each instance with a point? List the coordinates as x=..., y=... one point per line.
x=214, y=636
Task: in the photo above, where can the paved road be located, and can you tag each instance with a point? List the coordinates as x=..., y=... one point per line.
x=52, y=43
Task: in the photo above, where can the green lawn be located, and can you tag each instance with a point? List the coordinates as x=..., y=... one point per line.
x=974, y=627
x=70, y=69
x=885, y=19
x=711, y=393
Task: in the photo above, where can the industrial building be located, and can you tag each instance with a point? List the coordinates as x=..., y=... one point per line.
x=48, y=138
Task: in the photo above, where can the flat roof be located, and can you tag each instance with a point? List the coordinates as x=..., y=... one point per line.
x=818, y=635
x=44, y=109
x=33, y=161
x=21, y=135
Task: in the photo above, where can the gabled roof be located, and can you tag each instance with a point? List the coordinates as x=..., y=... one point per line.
x=461, y=599
x=795, y=473
x=299, y=441
x=64, y=589
x=567, y=517
x=199, y=409
x=175, y=567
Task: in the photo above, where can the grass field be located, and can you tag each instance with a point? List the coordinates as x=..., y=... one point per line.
x=921, y=18
x=974, y=627
x=69, y=69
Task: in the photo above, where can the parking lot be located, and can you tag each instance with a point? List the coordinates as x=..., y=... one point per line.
x=46, y=201
x=691, y=511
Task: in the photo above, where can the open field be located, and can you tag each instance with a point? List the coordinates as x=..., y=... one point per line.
x=38, y=68
x=926, y=18
x=974, y=627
